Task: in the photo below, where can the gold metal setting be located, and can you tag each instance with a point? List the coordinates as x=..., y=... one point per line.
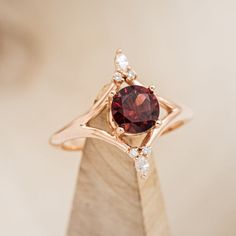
x=72, y=136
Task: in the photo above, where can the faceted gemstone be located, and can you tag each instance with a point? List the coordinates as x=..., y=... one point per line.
x=142, y=166
x=121, y=61
x=133, y=152
x=147, y=150
x=117, y=77
x=131, y=75
x=135, y=109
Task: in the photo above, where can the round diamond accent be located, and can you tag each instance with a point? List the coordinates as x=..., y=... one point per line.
x=133, y=152
x=131, y=75
x=142, y=166
x=135, y=109
x=146, y=150
x=117, y=77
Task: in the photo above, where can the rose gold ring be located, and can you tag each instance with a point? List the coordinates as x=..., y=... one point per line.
x=135, y=116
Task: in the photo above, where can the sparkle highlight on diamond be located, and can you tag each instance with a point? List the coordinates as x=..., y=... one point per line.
x=121, y=61
x=133, y=152
x=142, y=166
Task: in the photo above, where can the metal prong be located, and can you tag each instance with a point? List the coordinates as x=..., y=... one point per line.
x=120, y=131
x=158, y=123
x=112, y=94
x=152, y=88
x=118, y=51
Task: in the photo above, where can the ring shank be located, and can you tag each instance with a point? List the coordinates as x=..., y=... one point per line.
x=73, y=136
x=74, y=144
x=77, y=144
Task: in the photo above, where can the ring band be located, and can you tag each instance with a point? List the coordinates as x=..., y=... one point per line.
x=128, y=117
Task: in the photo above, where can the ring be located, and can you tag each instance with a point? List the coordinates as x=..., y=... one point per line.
x=135, y=116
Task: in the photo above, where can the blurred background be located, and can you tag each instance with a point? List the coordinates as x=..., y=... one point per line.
x=54, y=58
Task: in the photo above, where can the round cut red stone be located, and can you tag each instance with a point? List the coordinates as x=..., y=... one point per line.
x=135, y=109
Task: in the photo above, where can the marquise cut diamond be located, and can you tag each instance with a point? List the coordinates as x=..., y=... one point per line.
x=142, y=166
x=121, y=61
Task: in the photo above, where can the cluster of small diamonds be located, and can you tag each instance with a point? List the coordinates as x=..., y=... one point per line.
x=123, y=69
x=124, y=72
x=140, y=156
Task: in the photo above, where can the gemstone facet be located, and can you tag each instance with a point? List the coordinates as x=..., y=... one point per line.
x=135, y=109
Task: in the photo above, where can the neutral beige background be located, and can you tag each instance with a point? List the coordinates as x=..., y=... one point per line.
x=55, y=56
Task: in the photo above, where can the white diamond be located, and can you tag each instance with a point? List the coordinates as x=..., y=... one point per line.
x=147, y=150
x=121, y=61
x=142, y=165
x=133, y=152
x=131, y=75
x=117, y=77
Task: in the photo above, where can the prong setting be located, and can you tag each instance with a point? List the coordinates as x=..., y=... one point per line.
x=152, y=88
x=112, y=94
x=158, y=123
x=118, y=51
x=140, y=157
x=131, y=75
x=120, y=131
x=142, y=166
x=121, y=62
x=146, y=150
x=125, y=73
x=133, y=153
x=117, y=77
x=81, y=127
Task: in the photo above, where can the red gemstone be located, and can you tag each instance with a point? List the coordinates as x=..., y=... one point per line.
x=135, y=109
